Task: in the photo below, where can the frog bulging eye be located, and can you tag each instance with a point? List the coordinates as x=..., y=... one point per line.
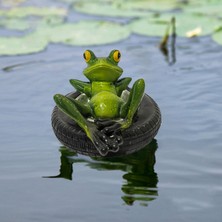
x=117, y=56
x=87, y=55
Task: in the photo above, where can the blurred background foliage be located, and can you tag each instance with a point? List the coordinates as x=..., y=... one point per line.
x=26, y=27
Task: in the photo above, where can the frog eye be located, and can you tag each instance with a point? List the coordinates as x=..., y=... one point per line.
x=116, y=56
x=87, y=55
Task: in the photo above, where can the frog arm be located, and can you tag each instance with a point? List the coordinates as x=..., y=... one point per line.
x=83, y=87
x=122, y=85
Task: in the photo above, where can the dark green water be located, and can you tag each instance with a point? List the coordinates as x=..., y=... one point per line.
x=178, y=177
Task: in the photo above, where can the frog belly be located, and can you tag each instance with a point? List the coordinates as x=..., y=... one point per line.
x=106, y=105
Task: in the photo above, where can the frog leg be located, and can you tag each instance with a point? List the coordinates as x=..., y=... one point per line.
x=71, y=108
x=82, y=106
x=83, y=87
x=129, y=108
x=122, y=85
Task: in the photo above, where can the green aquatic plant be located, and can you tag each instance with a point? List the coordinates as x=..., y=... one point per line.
x=20, y=12
x=14, y=23
x=107, y=9
x=217, y=36
x=122, y=8
x=79, y=33
x=184, y=24
x=22, y=45
x=205, y=7
x=150, y=18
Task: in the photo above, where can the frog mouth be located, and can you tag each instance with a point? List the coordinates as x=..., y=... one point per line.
x=103, y=68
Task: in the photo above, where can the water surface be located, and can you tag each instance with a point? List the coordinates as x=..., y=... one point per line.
x=176, y=178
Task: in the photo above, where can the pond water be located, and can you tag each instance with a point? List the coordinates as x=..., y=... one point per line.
x=178, y=177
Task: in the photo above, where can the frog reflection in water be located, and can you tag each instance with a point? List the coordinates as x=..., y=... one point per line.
x=104, y=99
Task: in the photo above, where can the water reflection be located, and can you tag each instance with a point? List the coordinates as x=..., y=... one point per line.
x=169, y=52
x=169, y=49
x=140, y=178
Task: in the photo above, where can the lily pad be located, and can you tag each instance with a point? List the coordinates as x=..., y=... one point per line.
x=21, y=24
x=148, y=26
x=217, y=37
x=79, y=34
x=11, y=3
x=49, y=21
x=187, y=22
x=85, y=33
x=96, y=1
x=33, y=11
x=122, y=8
x=184, y=24
x=23, y=45
x=108, y=9
x=208, y=9
x=202, y=2
x=16, y=24
x=160, y=5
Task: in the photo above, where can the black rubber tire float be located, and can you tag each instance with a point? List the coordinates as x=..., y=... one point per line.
x=137, y=136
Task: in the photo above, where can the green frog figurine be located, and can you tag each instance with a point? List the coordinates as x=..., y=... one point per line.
x=104, y=107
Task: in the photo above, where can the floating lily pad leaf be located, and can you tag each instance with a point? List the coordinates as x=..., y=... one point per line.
x=185, y=23
x=33, y=11
x=21, y=24
x=82, y=33
x=95, y=1
x=17, y=24
x=160, y=5
x=50, y=21
x=23, y=45
x=202, y=2
x=85, y=33
x=108, y=9
x=208, y=9
x=150, y=27
x=11, y=3
x=188, y=22
x=217, y=37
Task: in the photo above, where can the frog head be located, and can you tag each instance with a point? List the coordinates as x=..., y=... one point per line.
x=102, y=69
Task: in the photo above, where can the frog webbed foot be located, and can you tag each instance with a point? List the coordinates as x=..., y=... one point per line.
x=110, y=128
x=100, y=143
x=105, y=143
